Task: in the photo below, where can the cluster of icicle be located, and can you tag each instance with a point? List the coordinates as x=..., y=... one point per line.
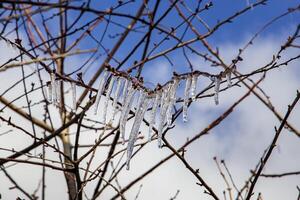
x=161, y=100
x=54, y=94
x=125, y=91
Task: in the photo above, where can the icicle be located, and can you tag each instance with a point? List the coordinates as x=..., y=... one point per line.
x=139, y=115
x=124, y=92
x=100, y=90
x=126, y=109
x=161, y=126
x=186, y=98
x=49, y=85
x=153, y=114
x=228, y=77
x=53, y=87
x=107, y=97
x=171, y=101
x=163, y=112
x=73, y=88
x=169, y=106
x=116, y=96
x=193, y=86
x=217, y=88
x=151, y=104
x=139, y=99
x=58, y=92
x=163, y=95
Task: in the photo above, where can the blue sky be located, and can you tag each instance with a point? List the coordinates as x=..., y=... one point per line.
x=242, y=27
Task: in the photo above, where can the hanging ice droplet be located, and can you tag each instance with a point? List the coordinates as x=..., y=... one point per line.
x=100, y=90
x=186, y=98
x=228, y=77
x=171, y=101
x=217, y=89
x=49, y=85
x=193, y=86
x=53, y=87
x=153, y=114
x=125, y=110
x=163, y=112
x=107, y=97
x=116, y=97
x=73, y=89
x=139, y=115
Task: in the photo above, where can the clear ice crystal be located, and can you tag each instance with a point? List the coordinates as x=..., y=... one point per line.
x=53, y=87
x=172, y=100
x=124, y=92
x=58, y=92
x=153, y=114
x=116, y=97
x=186, y=98
x=193, y=86
x=163, y=112
x=139, y=99
x=100, y=90
x=129, y=98
x=107, y=97
x=139, y=115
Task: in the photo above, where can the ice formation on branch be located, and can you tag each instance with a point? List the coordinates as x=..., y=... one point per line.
x=138, y=99
x=128, y=100
x=193, y=86
x=186, y=98
x=163, y=111
x=139, y=115
x=116, y=97
x=171, y=101
x=153, y=114
x=123, y=89
x=107, y=97
x=58, y=92
x=100, y=89
x=53, y=87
